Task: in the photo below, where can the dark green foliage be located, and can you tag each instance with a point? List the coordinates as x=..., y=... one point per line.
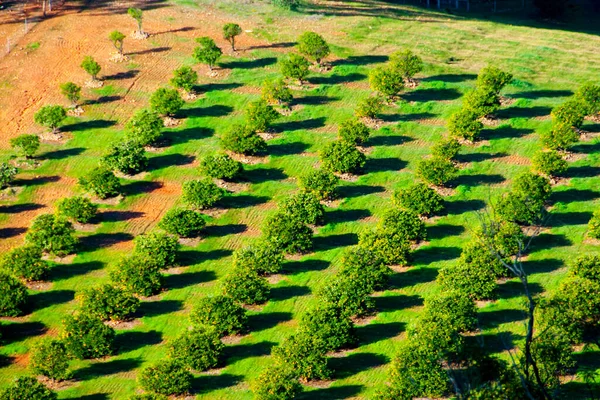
x=305, y=207
x=287, y=233
x=108, y=302
x=549, y=163
x=221, y=166
x=198, y=349
x=158, y=247
x=349, y=294
x=221, y=313
x=13, y=295
x=7, y=174
x=589, y=94
x=436, y=171
x=71, y=91
x=276, y=383
x=405, y=223
x=52, y=234
x=320, y=182
x=305, y=355
x=294, y=66
x=493, y=78
x=386, y=81
x=534, y=186
x=437, y=336
x=117, y=39
x=586, y=267
x=481, y=101
x=525, y=203
x=453, y=308
x=27, y=387
x=560, y=137
x=101, y=182
x=594, y=225
x=166, y=377
x=230, y=31
x=50, y=117
x=571, y=112
x=263, y=258
x=343, y=157
x=353, y=131
x=465, y=124
x=393, y=249
x=126, y=157
x=313, y=46
x=203, y=193
x=90, y=66
x=478, y=283
x=208, y=52
x=330, y=324
x=245, y=286
x=26, y=262
x=137, y=14
x=184, y=78
x=243, y=139
x=49, y=357
x=259, y=115
x=503, y=237
x=182, y=222
x=478, y=254
x=406, y=63
x=277, y=92
x=365, y=266
x=144, y=127
x=369, y=107
x=138, y=275
x=553, y=355
x=286, y=4
x=446, y=148
x=166, y=102
x=419, y=198
x=86, y=336
x=25, y=145
x=77, y=208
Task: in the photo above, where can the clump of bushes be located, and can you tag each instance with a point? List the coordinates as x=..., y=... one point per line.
x=199, y=349
x=320, y=182
x=354, y=132
x=222, y=314
x=78, y=209
x=13, y=295
x=158, y=247
x=108, y=302
x=221, y=166
x=202, y=193
x=52, y=234
x=86, y=336
x=343, y=157
x=182, y=222
x=287, y=233
x=166, y=377
x=243, y=139
x=436, y=171
x=263, y=258
x=26, y=263
x=305, y=207
x=419, y=198
x=101, y=182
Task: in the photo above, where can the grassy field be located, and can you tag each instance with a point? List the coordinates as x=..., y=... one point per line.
x=548, y=64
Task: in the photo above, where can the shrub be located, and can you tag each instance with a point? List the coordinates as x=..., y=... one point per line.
x=589, y=94
x=90, y=66
x=87, y=337
x=303, y=354
x=446, y=148
x=586, y=267
x=549, y=163
x=405, y=223
x=436, y=171
x=594, y=225
x=126, y=157
x=137, y=14
x=208, y=52
x=312, y=45
x=230, y=31
x=13, y=295
x=221, y=313
x=158, y=247
x=276, y=383
x=27, y=387
x=320, y=182
x=353, y=131
x=79, y=209
x=572, y=112
x=101, y=182
x=305, y=207
x=259, y=115
x=554, y=357
x=26, y=262
x=406, y=63
x=138, y=275
x=453, y=309
x=287, y=4
x=343, y=157
x=263, y=258
x=369, y=107
x=493, y=78
x=294, y=66
x=465, y=125
x=52, y=234
x=117, y=39
x=522, y=210
x=287, y=233
x=478, y=254
x=108, y=302
x=560, y=137
x=243, y=139
x=7, y=174
x=386, y=81
x=72, y=92
x=50, y=117
x=198, y=349
x=481, y=101
x=393, y=249
x=277, y=92
x=221, y=166
x=419, y=198
x=166, y=377
x=366, y=267
x=181, y=222
x=349, y=294
x=49, y=357
x=245, y=286
x=478, y=283
x=532, y=186
x=144, y=127
x=330, y=324
x=203, y=193
x=26, y=145
x=184, y=78
x=166, y=102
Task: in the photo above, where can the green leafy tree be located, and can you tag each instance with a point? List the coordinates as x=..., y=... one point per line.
x=549, y=163
x=287, y=233
x=586, y=267
x=27, y=387
x=137, y=15
x=221, y=313
x=349, y=294
x=406, y=223
x=419, y=198
x=203, y=193
x=25, y=145
x=294, y=66
x=305, y=355
x=108, y=302
x=554, y=357
x=406, y=63
x=90, y=66
x=184, y=78
x=479, y=254
x=320, y=182
x=137, y=274
x=166, y=102
x=436, y=171
x=208, y=52
x=304, y=206
x=393, y=249
x=259, y=115
x=286, y=4
x=572, y=112
x=166, y=377
x=144, y=127
x=454, y=309
x=386, y=81
x=221, y=166
x=369, y=107
x=117, y=39
x=493, y=78
x=446, y=148
x=343, y=157
x=331, y=324
x=159, y=247
x=263, y=258
x=87, y=337
x=276, y=383
x=101, y=182
x=525, y=203
x=245, y=286
x=465, y=125
x=313, y=46
x=478, y=283
x=594, y=225
x=277, y=92
x=243, y=139
x=230, y=31
x=353, y=131
x=26, y=263
x=77, y=208
x=13, y=295
x=50, y=117
x=49, y=357
x=52, y=234
x=589, y=94
x=7, y=174
x=481, y=101
x=198, y=349
x=181, y=222
x=560, y=137
x=72, y=92
x=126, y=157
x=367, y=267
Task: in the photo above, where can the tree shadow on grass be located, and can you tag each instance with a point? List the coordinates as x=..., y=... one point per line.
x=119, y=216
x=186, y=135
x=101, y=100
x=208, y=383
x=569, y=218
x=523, y=112
x=334, y=241
x=287, y=149
x=18, y=331
x=135, y=340
x=431, y=94
x=586, y=171
x=40, y=300
x=160, y=307
x=586, y=148
x=225, y=230
x=354, y=363
x=162, y=161
x=431, y=254
x=573, y=195
x=406, y=117
x=19, y=208
x=264, y=174
x=384, y=164
x=505, y=132
x=413, y=276
x=95, y=396
x=479, y=157
x=63, y=153
x=360, y=60
x=267, y=320
x=340, y=216
x=390, y=140
x=186, y=258
x=179, y=281
x=280, y=45
x=249, y=64
x=216, y=110
x=334, y=392
x=61, y=272
x=242, y=201
x=495, y=318
x=350, y=191
x=140, y=187
x=149, y=51
x=546, y=241
x=6, y=233
x=248, y=350
x=294, y=267
x=496, y=342
x=86, y=125
x=314, y=100
x=112, y=367
x=450, y=78
x=132, y=73
x=396, y=302
x=539, y=94
x=478, y=179
x=282, y=293
x=336, y=79
x=440, y=231
x=457, y=207
x=306, y=124
x=513, y=288
x=103, y=240
x=378, y=331
x=542, y=266
x=37, y=181
x=216, y=87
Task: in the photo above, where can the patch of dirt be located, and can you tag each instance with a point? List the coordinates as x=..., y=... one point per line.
x=11, y=193
x=94, y=84
x=591, y=240
x=60, y=260
x=268, y=135
x=170, y=122
x=233, y=187
x=586, y=136
x=364, y=320
x=232, y=339
x=251, y=160
x=85, y=227
x=317, y=384
x=214, y=212
x=124, y=325
x=39, y=285
x=174, y=271
x=25, y=164
x=559, y=181
x=137, y=35
x=190, y=242
x=347, y=177
x=275, y=278
x=111, y=201
x=444, y=191
x=483, y=303
x=340, y=353
x=56, y=385
x=118, y=58
x=572, y=157
x=513, y=159
x=365, y=150
x=490, y=121
x=159, y=197
x=137, y=177
x=506, y=101
x=373, y=123
x=75, y=111
x=253, y=307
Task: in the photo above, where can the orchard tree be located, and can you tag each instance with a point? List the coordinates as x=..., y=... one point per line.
x=182, y=222
x=201, y=194
x=446, y=148
x=166, y=102
x=13, y=295
x=525, y=203
x=27, y=387
x=137, y=14
x=369, y=107
x=365, y=267
x=26, y=263
x=493, y=78
x=230, y=31
x=406, y=63
x=245, y=286
x=454, y=309
x=287, y=233
x=166, y=377
x=25, y=145
x=436, y=171
x=208, y=52
x=589, y=94
x=305, y=355
x=126, y=157
x=52, y=234
x=560, y=137
x=386, y=81
x=419, y=198
x=7, y=174
x=144, y=127
x=353, y=131
x=49, y=357
x=276, y=383
x=86, y=336
x=259, y=115
x=330, y=324
x=465, y=125
x=343, y=157
x=572, y=112
x=108, y=302
x=352, y=296
x=90, y=66
x=221, y=313
x=101, y=182
x=277, y=92
x=481, y=101
x=137, y=274
x=479, y=253
x=117, y=39
x=476, y=282
x=406, y=223
x=184, y=78
x=78, y=209
x=392, y=249
x=159, y=247
x=72, y=92
x=263, y=258
x=320, y=182
x=243, y=139
x=294, y=66
x=199, y=349
x=221, y=166
x=312, y=45
x=305, y=207
x=50, y=117
x=549, y=163
x=594, y=225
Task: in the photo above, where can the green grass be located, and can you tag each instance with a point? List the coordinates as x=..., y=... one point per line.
x=548, y=64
